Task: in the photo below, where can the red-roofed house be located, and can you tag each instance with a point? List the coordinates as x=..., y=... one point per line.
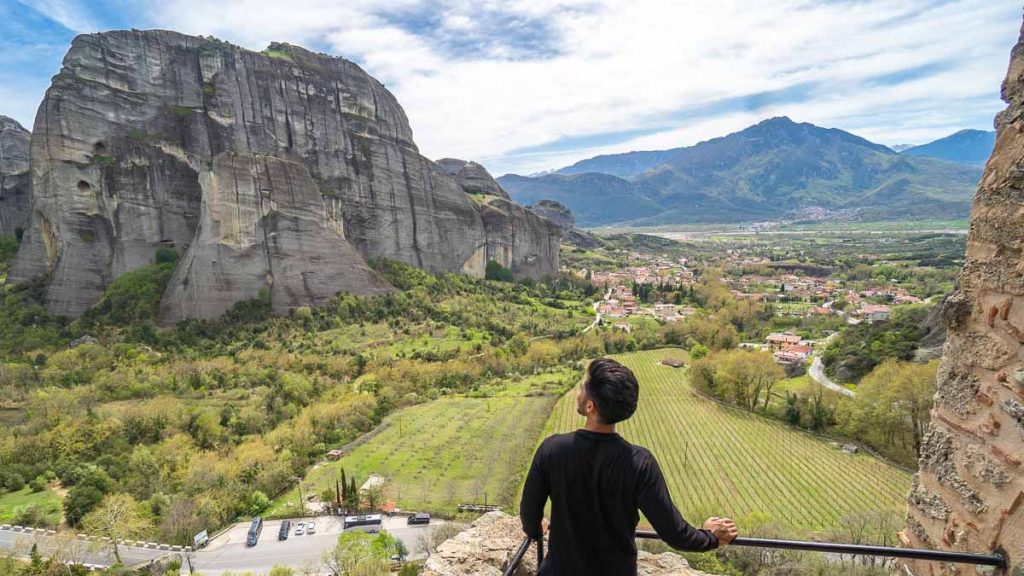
x=779, y=340
x=875, y=312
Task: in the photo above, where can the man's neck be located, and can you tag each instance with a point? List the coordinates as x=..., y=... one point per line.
x=594, y=426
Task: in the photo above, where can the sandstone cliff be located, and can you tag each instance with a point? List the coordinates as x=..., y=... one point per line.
x=969, y=494
x=280, y=171
x=15, y=182
x=485, y=548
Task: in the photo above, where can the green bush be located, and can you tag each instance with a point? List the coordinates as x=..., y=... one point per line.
x=133, y=297
x=38, y=484
x=495, y=271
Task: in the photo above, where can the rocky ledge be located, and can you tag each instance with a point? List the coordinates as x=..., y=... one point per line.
x=485, y=548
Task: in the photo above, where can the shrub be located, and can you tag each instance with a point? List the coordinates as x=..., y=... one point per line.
x=38, y=484
x=495, y=271
x=133, y=297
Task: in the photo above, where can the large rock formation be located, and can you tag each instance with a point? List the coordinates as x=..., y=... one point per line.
x=15, y=182
x=485, y=548
x=969, y=494
x=253, y=165
x=472, y=177
x=563, y=217
x=519, y=238
x=265, y=217
x=556, y=212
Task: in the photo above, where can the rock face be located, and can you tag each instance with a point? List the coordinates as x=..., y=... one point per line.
x=556, y=212
x=258, y=213
x=970, y=492
x=485, y=548
x=563, y=217
x=254, y=166
x=519, y=239
x=15, y=181
x=472, y=177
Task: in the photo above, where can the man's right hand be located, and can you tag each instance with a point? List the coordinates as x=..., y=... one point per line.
x=723, y=528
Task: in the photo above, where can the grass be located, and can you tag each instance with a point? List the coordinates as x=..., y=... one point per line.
x=436, y=341
x=724, y=461
x=452, y=450
x=12, y=503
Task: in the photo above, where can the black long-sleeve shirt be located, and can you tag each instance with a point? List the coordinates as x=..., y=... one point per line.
x=597, y=482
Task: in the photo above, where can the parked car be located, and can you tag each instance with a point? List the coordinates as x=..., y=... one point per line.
x=311, y=528
x=419, y=518
x=300, y=528
x=254, y=531
x=286, y=527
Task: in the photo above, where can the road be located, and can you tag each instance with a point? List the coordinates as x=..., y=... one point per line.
x=74, y=550
x=228, y=551
x=817, y=373
x=597, y=315
x=225, y=553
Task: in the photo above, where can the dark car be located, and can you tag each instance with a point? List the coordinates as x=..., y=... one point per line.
x=419, y=518
x=286, y=527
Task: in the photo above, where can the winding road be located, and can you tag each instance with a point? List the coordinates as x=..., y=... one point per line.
x=817, y=373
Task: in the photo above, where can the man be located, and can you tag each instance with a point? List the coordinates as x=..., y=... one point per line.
x=597, y=481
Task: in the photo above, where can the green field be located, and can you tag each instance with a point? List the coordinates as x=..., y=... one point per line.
x=452, y=450
x=12, y=503
x=721, y=461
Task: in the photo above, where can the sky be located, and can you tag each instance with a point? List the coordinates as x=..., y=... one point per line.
x=526, y=86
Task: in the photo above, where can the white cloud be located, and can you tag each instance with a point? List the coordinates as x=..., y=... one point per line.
x=486, y=79
x=74, y=16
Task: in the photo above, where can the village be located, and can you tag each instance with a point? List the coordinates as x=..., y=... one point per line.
x=639, y=290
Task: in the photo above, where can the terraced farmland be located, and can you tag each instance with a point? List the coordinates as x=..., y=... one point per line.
x=726, y=462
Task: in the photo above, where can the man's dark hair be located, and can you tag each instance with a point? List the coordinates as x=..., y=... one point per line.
x=613, y=388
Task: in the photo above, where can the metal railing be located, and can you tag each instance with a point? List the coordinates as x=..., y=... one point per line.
x=995, y=559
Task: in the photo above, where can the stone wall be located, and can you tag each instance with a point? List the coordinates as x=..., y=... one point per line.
x=969, y=494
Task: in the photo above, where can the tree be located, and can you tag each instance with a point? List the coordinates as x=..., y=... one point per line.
x=428, y=540
x=892, y=407
x=356, y=555
x=79, y=502
x=374, y=496
x=352, y=495
x=118, y=518
x=401, y=550
x=698, y=351
x=739, y=376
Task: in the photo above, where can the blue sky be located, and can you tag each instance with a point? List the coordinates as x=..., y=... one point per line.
x=532, y=85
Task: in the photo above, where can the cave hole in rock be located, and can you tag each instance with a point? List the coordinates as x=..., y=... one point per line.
x=99, y=149
x=83, y=186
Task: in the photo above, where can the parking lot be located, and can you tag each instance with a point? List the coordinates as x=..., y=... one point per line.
x=228, y=551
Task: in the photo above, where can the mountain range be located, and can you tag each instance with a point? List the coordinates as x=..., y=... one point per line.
x=969, y=146
x=776, y=169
